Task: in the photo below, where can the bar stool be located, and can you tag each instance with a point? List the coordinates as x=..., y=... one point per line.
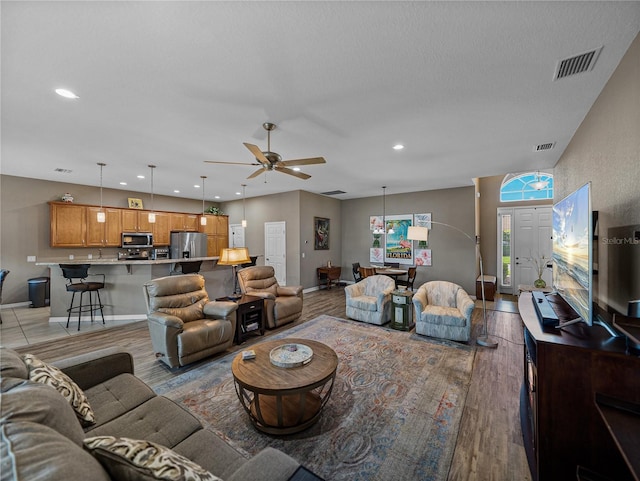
x=76, y=275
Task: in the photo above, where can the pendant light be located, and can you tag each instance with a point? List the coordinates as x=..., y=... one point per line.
x=244, y=212
x=384, y=208
x=152, y=214
x=102, y=218
x=203, y=219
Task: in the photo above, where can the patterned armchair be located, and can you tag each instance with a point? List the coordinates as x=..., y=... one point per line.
x=370, y=299
x=443, y=309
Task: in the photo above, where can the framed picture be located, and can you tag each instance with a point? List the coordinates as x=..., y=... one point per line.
x=135, y=203
x=423, y=257
x=321, y=233
x=397, y=247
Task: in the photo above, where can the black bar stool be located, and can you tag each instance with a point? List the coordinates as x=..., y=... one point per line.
x=76, y=275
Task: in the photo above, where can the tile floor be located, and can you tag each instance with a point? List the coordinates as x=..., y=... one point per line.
x=24, y=325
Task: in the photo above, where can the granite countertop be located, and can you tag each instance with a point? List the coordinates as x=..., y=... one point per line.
x=106, y=261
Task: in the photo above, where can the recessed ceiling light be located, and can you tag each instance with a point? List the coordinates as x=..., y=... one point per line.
x=176, y=191
x=123, y=183
x=398, y=147
x=196, y=186
x=216, y=196
x=238, y=193
x=67, y=94
x=140, y=176
x=297, y=169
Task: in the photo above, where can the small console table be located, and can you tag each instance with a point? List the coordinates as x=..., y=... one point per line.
x=249, y=316
x=328, y=275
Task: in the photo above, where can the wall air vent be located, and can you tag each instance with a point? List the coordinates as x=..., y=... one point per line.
x=333, y=192
x=577, y=64
x=541, y=147
x=62, y=171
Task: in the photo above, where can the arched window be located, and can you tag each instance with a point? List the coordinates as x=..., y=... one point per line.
x=527, y=186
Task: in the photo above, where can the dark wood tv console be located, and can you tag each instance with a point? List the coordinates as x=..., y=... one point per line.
x=564, y=369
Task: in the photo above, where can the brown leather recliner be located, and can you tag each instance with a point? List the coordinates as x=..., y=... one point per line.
x=282, y=304
x=184, y=325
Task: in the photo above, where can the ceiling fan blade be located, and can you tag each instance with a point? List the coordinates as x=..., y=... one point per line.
x=309, y=161
x=300, y=175
x=231, y=163
x=256, y=173
x=255, y=150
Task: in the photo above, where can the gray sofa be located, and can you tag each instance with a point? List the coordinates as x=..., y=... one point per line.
x=42, y=438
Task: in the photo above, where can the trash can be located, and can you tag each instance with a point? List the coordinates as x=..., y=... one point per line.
x=38, y=291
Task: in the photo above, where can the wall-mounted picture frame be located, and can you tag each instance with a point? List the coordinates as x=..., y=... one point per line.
x=135, y=203
x=397, y=247
x=321, y=231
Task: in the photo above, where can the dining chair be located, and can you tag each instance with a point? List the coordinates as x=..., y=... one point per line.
x=357, y=277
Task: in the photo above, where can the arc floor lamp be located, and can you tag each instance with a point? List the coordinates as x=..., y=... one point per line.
x=422, y=234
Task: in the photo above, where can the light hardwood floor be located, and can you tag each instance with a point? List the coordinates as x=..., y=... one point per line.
x=489, y=444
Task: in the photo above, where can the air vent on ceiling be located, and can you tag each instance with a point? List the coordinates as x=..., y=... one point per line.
x=577, y=64
x=62, y=171
x=333, y=192
x=541, y=147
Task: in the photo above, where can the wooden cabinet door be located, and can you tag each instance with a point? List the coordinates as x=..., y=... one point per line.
x=211, y=226
x=68, y=225
x=105, y=234
x=129, y=220
x=222, y=225
x=191, y=222
x=176, y=221
x=162, y=229
x=143, y=221
x=212, y=246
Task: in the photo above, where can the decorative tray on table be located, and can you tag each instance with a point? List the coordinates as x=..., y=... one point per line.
x=290, y=355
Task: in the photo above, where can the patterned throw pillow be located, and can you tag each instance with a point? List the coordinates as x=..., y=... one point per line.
x=132, y=459
x=44, y=373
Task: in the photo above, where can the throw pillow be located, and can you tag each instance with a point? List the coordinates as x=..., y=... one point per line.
x=133, y=459
x=40, y=371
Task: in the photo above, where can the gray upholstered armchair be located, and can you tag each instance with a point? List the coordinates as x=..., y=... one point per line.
x=282, y=304
x=370, y=299
x=443, y=309
x=184, y=325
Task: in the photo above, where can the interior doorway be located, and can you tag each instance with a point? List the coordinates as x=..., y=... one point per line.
x=236, y=235
x=275, y=249
x=524, y=239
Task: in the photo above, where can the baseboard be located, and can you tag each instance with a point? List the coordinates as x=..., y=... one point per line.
x=98, y=318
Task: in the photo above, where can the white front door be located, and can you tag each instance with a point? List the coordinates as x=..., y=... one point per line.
x=275, y=249
x=532, y=239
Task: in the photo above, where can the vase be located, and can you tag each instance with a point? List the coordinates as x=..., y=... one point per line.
x=540, y=283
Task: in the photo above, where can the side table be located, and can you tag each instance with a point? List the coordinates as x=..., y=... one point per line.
x=402, y=310
x=328, y=275
x=249, y=316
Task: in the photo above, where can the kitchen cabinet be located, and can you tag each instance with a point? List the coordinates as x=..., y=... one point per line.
x=184, y=222
x=162, y=229
x=68, y=224
x=103, y=234
x=217, y=230
x=135, y=220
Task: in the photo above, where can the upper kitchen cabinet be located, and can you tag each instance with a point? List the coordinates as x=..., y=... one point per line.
x=136, y=220
x=104, y=234
x=68, y=224
x=217, y=230
x=162, y=229
x=184, y=222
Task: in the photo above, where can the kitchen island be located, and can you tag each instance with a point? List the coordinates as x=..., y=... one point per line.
x=122, y=295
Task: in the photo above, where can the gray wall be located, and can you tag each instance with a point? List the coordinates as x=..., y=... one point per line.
x=606, y=151
x=453, y=254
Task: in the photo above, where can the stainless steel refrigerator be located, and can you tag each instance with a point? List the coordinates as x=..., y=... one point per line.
x=188, y=245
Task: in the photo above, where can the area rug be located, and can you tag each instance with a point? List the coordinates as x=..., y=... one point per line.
x=393, y=414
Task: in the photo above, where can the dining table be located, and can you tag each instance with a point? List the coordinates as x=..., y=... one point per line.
x=390, y=271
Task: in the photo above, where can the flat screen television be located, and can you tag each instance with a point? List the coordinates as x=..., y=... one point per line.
x=573, y=251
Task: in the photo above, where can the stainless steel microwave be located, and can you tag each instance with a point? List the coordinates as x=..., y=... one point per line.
x=137, y=239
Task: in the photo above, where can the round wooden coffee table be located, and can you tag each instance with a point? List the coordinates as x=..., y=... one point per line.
x=281, y=400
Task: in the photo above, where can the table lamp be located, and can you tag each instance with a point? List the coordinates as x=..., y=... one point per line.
x=234, y=257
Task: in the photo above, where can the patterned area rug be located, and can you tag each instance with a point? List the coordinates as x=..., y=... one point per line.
x=393, y=414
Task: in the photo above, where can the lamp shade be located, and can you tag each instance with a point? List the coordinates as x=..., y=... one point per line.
x=234, y=256
x=418, y=233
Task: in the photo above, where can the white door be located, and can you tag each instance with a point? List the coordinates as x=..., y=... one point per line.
x=532, y=239
x=275, y=249
x=236, y=235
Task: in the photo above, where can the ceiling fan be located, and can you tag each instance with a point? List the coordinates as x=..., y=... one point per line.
x=269, y=160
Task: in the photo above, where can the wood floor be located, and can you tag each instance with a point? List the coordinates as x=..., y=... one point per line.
x=489, y=444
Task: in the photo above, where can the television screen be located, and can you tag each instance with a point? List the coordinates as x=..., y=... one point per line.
x=572, y=251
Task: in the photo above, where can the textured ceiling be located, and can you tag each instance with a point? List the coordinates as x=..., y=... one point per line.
x=467, y=87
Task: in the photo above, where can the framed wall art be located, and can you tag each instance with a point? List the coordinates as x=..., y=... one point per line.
x=397, y=247
x=321, y=230
x=135, y=203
